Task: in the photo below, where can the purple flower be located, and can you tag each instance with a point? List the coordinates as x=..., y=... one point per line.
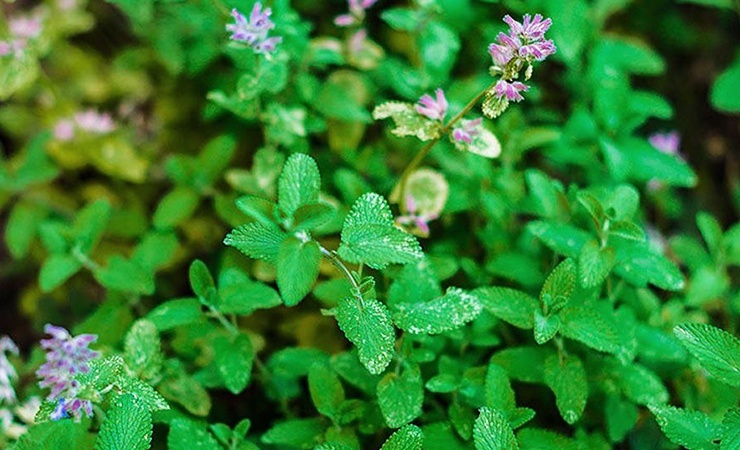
x=66, y=357
x=89, y=121
x=467, y=130
x=356, y=13
x=253, y=32
x=524, y=41
x=530, y=29
x=434, y=109
x=25, y=27
x=510, y=90
x=418, y=220
x=666, y=142
x=7, y=371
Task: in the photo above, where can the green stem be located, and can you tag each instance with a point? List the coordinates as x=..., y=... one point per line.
x=332, y=256
x=85, y=260
x=233, y=330
x=399, y=192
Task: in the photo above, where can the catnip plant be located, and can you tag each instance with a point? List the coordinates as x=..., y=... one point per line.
x=231, y=248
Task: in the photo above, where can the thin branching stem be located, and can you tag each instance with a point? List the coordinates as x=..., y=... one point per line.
x=399, y=192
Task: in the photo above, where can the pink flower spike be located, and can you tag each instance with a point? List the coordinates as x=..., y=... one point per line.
x=530, y=29
x=431, y=108
x=25, y=27
x=510, y=90
x=666, y=142
x=538, y=51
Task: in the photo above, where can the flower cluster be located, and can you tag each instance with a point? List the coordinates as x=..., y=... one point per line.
x=7, y=371
x=253, y=32
x=523, y=44
x=22, y=30
x=356, y=13
x=89, y=121
x=66, y=357
x=415, y=218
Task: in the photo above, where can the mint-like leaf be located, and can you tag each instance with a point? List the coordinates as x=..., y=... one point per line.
x=691, y=429
x=299, y=184
x=257, y=241
x=567, y=379
x=409, y=437
x=127, y=426
x=401, y=396
x=369, y=236
x=492, y=431
x=368, y=326
x=718, y=351
x=297, y=269
x=445, y=313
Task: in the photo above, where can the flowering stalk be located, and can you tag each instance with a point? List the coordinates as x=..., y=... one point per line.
x=512, y=52
x=66, y=357
x=7, y=371
x=399, y=191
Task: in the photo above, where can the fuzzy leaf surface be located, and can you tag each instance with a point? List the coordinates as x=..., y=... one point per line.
x=368, y=326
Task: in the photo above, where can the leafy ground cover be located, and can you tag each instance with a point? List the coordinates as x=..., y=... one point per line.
x=373, y=224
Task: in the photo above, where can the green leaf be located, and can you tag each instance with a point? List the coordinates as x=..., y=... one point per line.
x=174, y=313
x=143, y=393
x=691, y=429
x=124, y=275
x=401, y=396
x=558, y=287
x=539, y=439
x=638, y=383
x=369, y=236
x=594, y=263
x=56, y=270
x=711, y=231
x=523, y=363
x=188, y=434
x=367, y=324
x=725, y=92
x=545, y=196
x=257, y=241
x=401, y=19
x=175, y=207
x=89, y=225
x=301, y=433
x=492, y=431
x=567, y=379
x=181, y=388
x=21, y=228
x=326, y=390
x=445, y=313
x=127, y=426
x=56, y=435
x=731, y=433
x=233, y=356
x=142, y=349
x=620, y=415
x=258, y=208
x=299, y=184
x=499, y=394
x=591, y=327
x=155, y=250
x=639, y=265
x=308, y=217
x=410, y=437
x=717, y=351
x=200, y=279
x=545, y=327
x=416, y=283
x=510, y=305
x=407, y=121
x=241, y=295
x=560, y=238
x=297, y=269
